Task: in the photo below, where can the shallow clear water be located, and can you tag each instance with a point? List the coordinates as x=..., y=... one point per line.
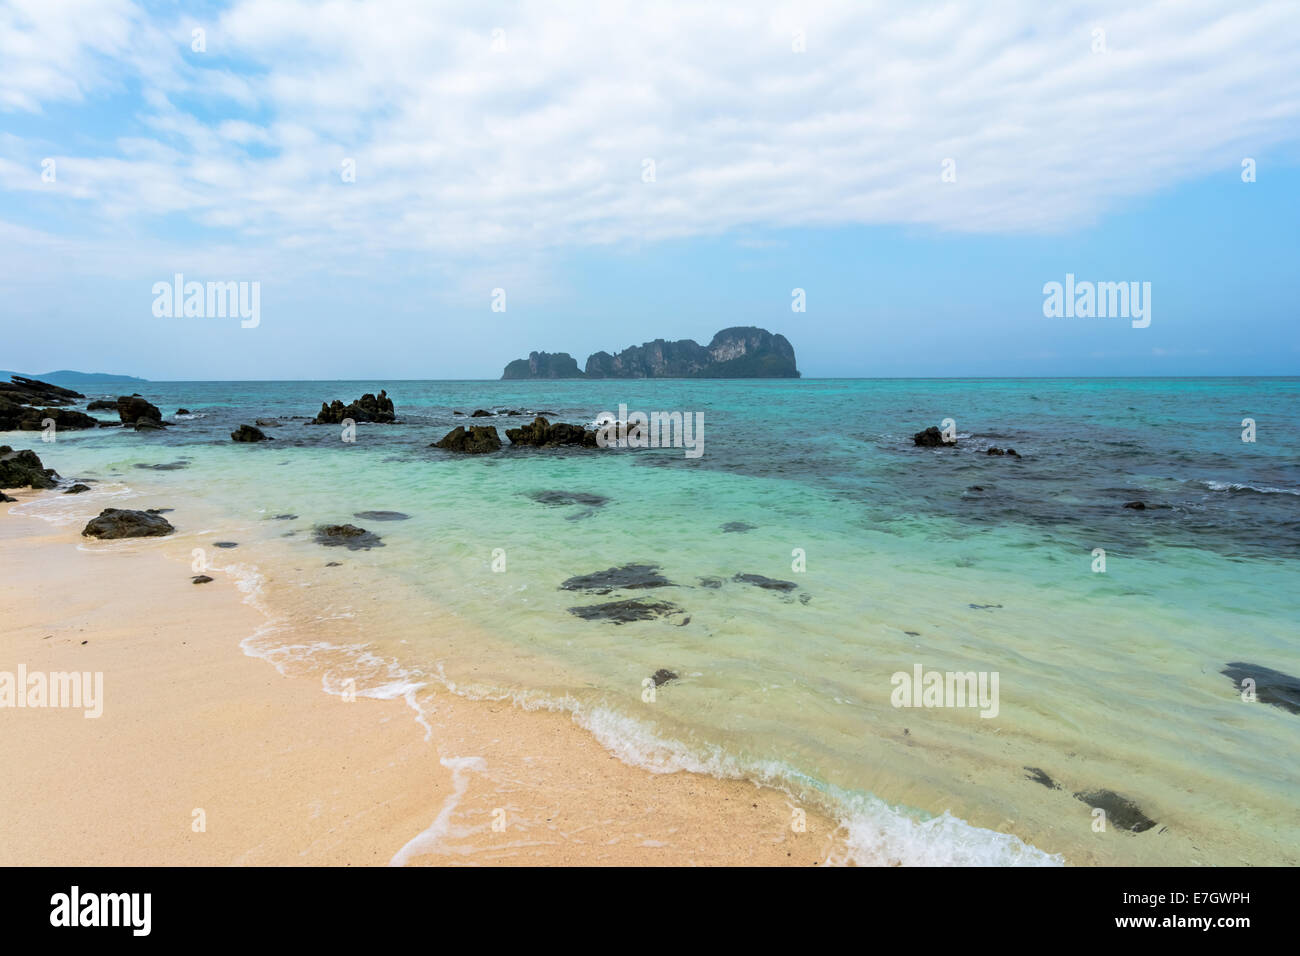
x=1106, y=680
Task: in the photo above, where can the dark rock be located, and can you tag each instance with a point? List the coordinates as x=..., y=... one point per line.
x=29, y=418
x=624, y=612
x=1271, y=687
x=22, y=469
x=1120, y=811
x=769, y=584
x=476, y=441
x=77, y=489
x=481, y=413
x=458, y=413
x=556, y=498
x=148, y=425
x=629, y=577
x=932, y=438
x=266, y=423
x=663, y=676
x=102, y=405
x=381, y=516
x=21, y=390
x=367, y=408
x=1039, y=776
x=5, y=497
x=166, y=466
x=183, y=411
x=201, y=579
x=132, y=408
x=984, y=607
x=122, y=523
x=285, y=517
x=225, y=544
x=1136, y=505
x=347, y=536
x=1012, y=453
x=333, y=564
x=975, y=488
x=738, y=527
x=542, y=434
x=249, y=433
x=995, y=451
x=711, y=582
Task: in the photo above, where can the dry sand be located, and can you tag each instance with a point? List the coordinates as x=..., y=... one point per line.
x=283, y=773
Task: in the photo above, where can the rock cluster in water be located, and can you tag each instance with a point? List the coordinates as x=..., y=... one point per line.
x=367, y=408
x=23, y=469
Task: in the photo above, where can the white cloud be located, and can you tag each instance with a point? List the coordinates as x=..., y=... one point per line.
x=460, y=150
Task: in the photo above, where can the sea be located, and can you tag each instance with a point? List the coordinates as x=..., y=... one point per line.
x=803, y=586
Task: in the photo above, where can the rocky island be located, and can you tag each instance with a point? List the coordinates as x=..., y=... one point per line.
x=743, y=351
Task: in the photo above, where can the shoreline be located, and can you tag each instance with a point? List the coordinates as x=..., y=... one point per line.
x=285, y=773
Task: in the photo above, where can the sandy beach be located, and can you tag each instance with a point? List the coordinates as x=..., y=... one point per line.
x=204, y=755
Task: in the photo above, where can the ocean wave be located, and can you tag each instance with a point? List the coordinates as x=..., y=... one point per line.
x=1236, y=486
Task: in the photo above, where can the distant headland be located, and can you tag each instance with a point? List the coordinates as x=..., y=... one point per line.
x=743, y=351
x=69, y=377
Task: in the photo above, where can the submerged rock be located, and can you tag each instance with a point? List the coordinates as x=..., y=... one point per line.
x=381, y=516
x=1271, y=687
x=225, y=544
x=77, y=489
x=368, y=408
x=481, y=413
x=630, y=577
x=285, y=517
x=183, y=411
x=709, y=582
x=347, y=536
x=662, y=676
x=768, y=584
x=624, y=612
x=102, y=405
x=1039, y=776
x=738, y=527
x=201, y=579
x=542, y=434
x=1136, y=505
x=557, y=498
x=124, y=523
x=932, y=438
x=249, y=433
x=166, y=466
x=477, y=440
x=23, y=469
x=1120, y=811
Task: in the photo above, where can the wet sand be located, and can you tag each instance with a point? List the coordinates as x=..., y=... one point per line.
x=204, y=755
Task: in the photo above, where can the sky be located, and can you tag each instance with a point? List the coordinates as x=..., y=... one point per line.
x=426, y=192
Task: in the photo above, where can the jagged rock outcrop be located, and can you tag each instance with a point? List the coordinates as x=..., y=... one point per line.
x=737, y=352
x=543, y=365
x=23, y=469
x=249, y=433
x=367, y=408
x=932, y=438
x=542, y=434
x=26, y=404
x=476, y=440
x=132, y=408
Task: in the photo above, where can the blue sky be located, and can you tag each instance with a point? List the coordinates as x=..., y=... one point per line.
x=506, y=147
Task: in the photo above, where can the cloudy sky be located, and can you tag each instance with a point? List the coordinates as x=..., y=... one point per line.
x=626, y=171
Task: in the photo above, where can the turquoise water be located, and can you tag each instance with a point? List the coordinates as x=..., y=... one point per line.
x=1106, y=680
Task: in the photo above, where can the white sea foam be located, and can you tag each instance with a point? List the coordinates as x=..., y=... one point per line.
x=1241, y=486
x=427, y=840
